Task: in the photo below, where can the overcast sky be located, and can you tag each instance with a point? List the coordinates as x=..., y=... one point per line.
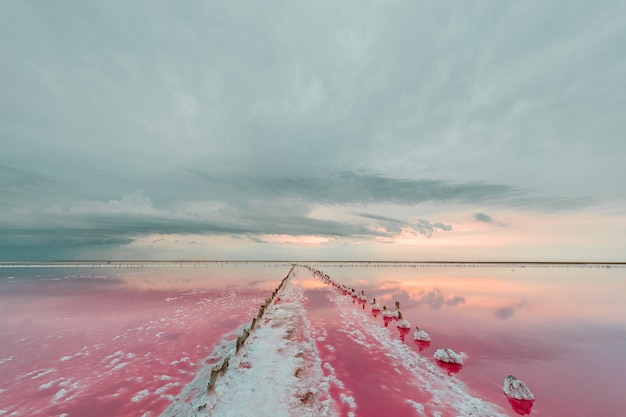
x=366, y=130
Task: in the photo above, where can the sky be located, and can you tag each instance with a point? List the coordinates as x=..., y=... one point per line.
x=300, y=130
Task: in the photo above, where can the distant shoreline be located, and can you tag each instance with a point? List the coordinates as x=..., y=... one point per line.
x=338, y=263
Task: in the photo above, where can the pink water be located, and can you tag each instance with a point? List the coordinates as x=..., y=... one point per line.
x=561, y=330
x=106, y=342
x=369, y=375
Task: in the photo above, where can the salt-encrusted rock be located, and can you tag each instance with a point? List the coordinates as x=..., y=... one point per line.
x=402, y=323
x=448, y=356
x=387, y=313
x=421, y=335
x=515, y=388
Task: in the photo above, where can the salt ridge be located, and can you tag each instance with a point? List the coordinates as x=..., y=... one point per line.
x=446, y=390
x=279, y=373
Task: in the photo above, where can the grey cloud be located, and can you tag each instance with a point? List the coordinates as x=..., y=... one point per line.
x=482, y=217
x=485, y=218
x=281, y=92
x=382, y=218
x=250, y=207
x=132, y=225
x=350, y=187
x=118, y=223
x=264, y=113
x=53, y=244
x=423, y=227
x=391, y=225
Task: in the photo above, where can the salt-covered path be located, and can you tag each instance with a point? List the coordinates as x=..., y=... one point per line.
x=318, y=353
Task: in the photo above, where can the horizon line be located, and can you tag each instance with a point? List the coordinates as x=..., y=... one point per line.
x=122, y=261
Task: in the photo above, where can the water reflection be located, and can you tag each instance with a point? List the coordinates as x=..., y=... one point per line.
x=435, y=299
x=403, y=332
x=507, y=312
x=111, y=331
x=450, y=368
x=521, y=407
x=540, y=322
x=421, y=345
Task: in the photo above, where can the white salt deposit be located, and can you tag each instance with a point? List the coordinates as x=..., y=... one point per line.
x=60, y=394
x=421, y=335
x=417, y=406
x=40, y=373
x=140, y=396
x=403, y=324
x=448, y=356
x=515, y=388
x=281, y=374
x=166, y=387
x=46, y=385
x=120, y=365
x=347, y=400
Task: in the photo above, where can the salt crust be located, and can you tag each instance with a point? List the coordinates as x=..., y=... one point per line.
x=276, y=350
x=516, y=389
x=421, y=335
x=448, y=356
x=403, y=324
x=269, y=387
x=417, y=406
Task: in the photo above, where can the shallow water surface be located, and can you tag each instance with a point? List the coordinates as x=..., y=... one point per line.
x=562, y=330
x=105, y=341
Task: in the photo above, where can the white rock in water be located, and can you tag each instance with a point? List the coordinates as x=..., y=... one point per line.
x=421, y=336
x=515, y=388
x=449, y=356
x=403, y=324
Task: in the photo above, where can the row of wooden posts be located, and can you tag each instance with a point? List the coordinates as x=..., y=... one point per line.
x=219, y=370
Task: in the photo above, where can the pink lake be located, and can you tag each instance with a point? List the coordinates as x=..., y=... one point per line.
x=123, y=340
